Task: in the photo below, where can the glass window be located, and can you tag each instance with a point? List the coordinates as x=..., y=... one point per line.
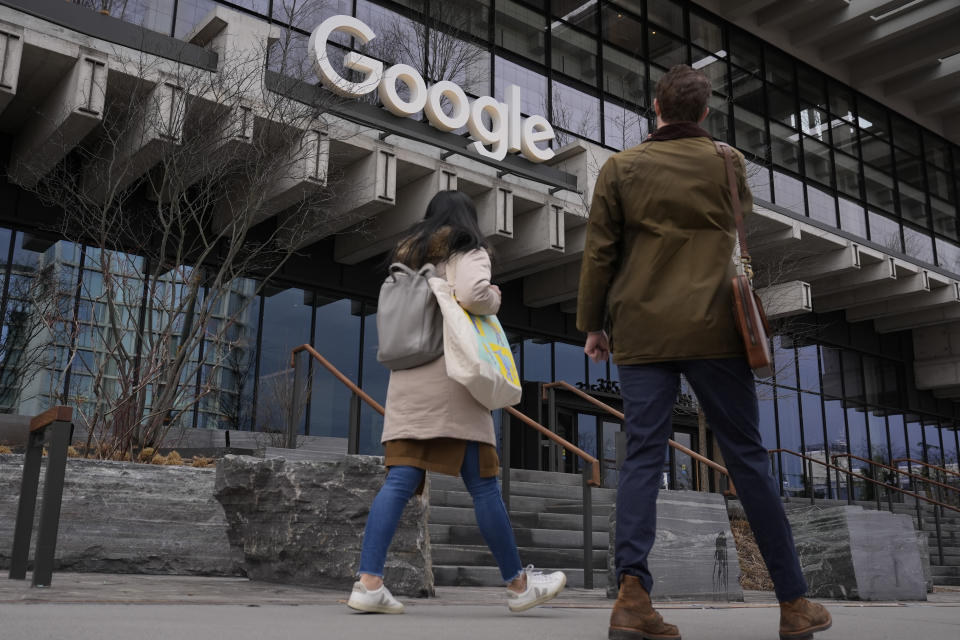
x=944, y=218
x=848, y=174
x=852, y=217
x=666, y=13
x=707, y=34
x=936, y=150
x=879, y=447
x=570, y=362
x=717, y=122
x=782, y=106
x=815, y=123
x=666, y=50
x=872, y=118
x=533, y=97
x=934, y=447
x=906, y=134
x=623, y=29
x=336, y=338
x=788, y=422
x=821, y=206
x=877, y=152
x=715, y=68
x=785, y=147
x=898, y=439
x=853, y=389
x=286, y=324
x=909, y=168
x=939, y=183
x=624, y=76
x=913, y=205
x=464, y=63
x=884, y=231
x=399, y=39
x=302, y=14
x=817, y=163
x=520, y=30
x=745, y=51
x=574, y=53
x=576, y=112
x=536, y=361
x=841, y=102
x=948, y=255
x=374, y=381
x=813, y=444
x=784, y=362
x=857, y=428
x=788, y=192
x=624, y=128
x=747, y=90
x=751, y=134
x=779, y=69
x=844, y=136
x=469, y=16
x=155, y=15
x=189, y=15
x=879, y=188
x=836, y=441
x=577, y=12
x=950, y=452
x=812, y=86
x=758, y=179
x=915, y=439
x=768, y=419
x=808, y=364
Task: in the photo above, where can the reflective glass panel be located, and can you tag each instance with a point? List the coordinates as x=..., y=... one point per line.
x=715, y=68
x=936, y=150
x=844, y=136
x=745, y=51
x=788, y=421
x=821, y=206
x=813, y=444
x=469, y=16
x=779, y=68
x=747, y=90
x=784, y=362
x=885, y=232
x=817, y=162
x=812, y=86
x=533, y=94
x=934, y=446
x=782, y=106
x=879, y=446
x=666, y=13
x=785, y=147
x=944, y=218
x=758, y=179
x=570, y=363
x=337, y=338
x=948, y=255
x=877, y=152
x=574, y=54
x=872, y=118
x=917, y=244
x=624, y=76
x=768, y=418
x=623, y=29
x=576, y=112
x=836, y=443
x=788, y=192
x=898, y=438
x=717, y=122
x=665, y=49
x=913, y=205
x=848, y=174
x=577, y=12
x=808, y=363
x=536, y=361
x=852, y=217
x=623, y=128
x=706, y=34
x=286, y=324
x=906, y=134
x=520, y=30
x=879, y=188
x=374, y=381
x=751, y=134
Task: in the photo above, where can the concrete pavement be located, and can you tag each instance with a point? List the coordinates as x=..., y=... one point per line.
x=111, y=607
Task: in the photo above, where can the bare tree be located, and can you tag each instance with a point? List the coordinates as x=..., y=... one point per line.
x=178, y=246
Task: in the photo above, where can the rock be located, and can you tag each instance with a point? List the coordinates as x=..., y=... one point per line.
x=122, y=517
x=851, y=553
x=694, y=555
x=302, y=522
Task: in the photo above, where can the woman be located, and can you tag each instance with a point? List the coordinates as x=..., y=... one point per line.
x=433, y=423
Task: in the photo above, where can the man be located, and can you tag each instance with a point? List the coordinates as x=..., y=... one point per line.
x=658, y=265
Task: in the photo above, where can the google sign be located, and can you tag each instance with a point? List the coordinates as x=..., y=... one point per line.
x=507, y=130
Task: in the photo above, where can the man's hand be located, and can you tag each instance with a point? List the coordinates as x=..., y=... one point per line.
x=597, y=346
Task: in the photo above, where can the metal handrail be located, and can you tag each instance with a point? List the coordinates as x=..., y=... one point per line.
x=594, y=480
x=894, y=469
x=926, y=464
x=619, y=414
x=865, y=478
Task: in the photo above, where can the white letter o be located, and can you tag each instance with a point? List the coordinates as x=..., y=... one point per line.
x=391, y=99
x=460, y=112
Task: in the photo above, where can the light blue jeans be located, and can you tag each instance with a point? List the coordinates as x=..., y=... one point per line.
x=402, y=482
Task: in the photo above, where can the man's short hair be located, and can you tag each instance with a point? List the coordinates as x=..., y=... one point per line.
x=683, y=93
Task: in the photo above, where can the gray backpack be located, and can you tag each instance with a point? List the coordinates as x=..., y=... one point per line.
x=409, y=322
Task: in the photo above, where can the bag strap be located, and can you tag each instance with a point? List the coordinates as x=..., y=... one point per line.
x=724, y=150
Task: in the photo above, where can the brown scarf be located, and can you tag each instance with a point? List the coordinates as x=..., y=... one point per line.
x=677, y=130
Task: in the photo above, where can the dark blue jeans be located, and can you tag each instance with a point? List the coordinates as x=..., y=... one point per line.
x=726, y=391
x=491, y=513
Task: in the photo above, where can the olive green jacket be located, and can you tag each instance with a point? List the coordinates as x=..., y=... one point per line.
x=658, y=256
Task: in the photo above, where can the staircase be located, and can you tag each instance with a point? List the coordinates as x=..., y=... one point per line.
x=948, y=572
x=545, y=509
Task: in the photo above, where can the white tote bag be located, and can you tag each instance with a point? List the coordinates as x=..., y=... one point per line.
x=476, y=350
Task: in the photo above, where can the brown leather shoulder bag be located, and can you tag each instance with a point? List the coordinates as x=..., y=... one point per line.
x=747, y=309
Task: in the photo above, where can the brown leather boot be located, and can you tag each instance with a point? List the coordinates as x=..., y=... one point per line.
x=800, y=619
x=633, y=617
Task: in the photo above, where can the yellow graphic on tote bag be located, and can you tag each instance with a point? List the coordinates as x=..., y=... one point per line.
x=493, y=346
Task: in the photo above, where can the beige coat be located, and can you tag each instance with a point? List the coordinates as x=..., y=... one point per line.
x=423, y=402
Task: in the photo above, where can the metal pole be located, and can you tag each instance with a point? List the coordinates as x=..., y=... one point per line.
x=552, y=425
x=23, y=529
x=52, y=499
x=808, y=465
x=587, y=531
x=296, y=399
x=836, y=485
x=353, y=435
x=505, y=458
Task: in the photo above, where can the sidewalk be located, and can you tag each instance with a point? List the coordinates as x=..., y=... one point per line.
x=111, y=607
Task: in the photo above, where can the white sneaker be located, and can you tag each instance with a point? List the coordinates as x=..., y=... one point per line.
x=541, y=587
x=376, y=601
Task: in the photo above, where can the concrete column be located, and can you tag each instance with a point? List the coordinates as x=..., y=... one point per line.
x=11, y=53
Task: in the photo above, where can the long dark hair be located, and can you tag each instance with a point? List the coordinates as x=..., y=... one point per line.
x=451, y=218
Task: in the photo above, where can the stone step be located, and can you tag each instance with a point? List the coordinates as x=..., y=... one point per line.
x=530, y=489
x=953, y=570
x=577, y=509
x=546, y=477
x=448, y=576
x=946, y=582
x=479, y=556
x=542, y=538
x=519, y=519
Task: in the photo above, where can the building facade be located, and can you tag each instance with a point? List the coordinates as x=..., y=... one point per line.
x=855, y=233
